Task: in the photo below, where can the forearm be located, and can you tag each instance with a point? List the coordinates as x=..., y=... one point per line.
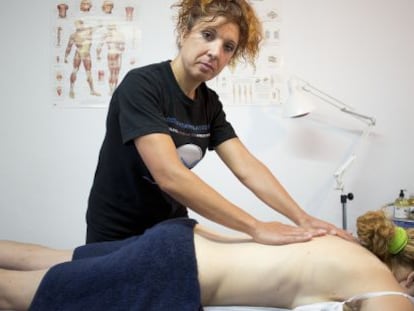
x=188, y=189
x=220, y=237
x=268, y=189
x=258, y=178
x=160, y=156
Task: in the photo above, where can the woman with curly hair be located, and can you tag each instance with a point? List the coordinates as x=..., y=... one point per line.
x=161, y=120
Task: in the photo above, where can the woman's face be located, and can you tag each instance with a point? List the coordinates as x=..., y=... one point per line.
x=208, y=48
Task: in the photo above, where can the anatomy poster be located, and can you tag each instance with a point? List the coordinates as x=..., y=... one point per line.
x=95, y=42
x=261, y=85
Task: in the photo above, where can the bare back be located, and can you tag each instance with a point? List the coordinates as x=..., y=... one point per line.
x=324, y=269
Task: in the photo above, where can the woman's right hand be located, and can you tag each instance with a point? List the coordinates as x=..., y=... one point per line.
x=277, y=233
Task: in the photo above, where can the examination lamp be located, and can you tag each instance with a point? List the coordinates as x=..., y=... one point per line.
x=298, y=104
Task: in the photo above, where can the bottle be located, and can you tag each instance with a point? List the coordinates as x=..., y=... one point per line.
x=411, y=206
x=401, y=206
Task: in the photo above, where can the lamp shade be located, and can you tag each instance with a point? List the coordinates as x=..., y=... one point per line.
x=297, y=103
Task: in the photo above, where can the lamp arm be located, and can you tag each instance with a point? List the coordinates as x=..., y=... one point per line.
x=369, y=120
x=336, y=103
x=302, y=85
x=340, y=172
x=298, y=86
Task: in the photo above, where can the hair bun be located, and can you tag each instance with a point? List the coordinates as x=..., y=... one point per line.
x=375, y=232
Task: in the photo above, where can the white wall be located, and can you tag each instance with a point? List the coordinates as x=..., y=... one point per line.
x=358, y=51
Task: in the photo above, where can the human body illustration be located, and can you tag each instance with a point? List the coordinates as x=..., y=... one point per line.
x=82, y=40
x=107, y=6
x=85, y=5
x=114, y=41
x=62, y=9
x=129, y=13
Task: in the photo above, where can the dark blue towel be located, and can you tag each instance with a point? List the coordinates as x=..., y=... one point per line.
x=156, y=271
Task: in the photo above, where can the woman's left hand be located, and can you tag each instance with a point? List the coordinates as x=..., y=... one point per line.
x=320, y=227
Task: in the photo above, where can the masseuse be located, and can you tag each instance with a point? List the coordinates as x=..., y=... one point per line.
x=162, y=118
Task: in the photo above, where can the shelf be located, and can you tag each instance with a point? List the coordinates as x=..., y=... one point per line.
x=405, y=223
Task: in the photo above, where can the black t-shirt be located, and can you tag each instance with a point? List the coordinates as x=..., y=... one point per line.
x=124, y=199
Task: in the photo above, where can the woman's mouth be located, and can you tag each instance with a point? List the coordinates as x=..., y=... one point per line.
x=206, y=67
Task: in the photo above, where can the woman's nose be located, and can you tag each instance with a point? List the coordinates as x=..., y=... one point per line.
x=214, y=50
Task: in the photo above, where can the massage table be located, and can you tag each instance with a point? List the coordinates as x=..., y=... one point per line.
x=242, y=309
x=321, y=306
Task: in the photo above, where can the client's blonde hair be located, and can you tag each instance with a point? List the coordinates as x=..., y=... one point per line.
x=375, y=231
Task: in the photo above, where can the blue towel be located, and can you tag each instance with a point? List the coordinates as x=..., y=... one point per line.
x=156, y=271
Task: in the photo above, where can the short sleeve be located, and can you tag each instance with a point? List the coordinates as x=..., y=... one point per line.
x=140, y=111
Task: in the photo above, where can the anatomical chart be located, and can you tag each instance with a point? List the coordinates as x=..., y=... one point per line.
x=261, y=85
x=95, y=43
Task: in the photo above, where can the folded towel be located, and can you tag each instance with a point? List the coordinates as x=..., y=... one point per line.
x=156, y=271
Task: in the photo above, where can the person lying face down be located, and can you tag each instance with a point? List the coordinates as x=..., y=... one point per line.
x=226, y=270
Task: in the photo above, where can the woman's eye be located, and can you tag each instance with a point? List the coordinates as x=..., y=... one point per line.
x=229, y=47
x=208, y=35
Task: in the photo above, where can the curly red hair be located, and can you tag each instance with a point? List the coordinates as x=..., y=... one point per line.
x=239, y=12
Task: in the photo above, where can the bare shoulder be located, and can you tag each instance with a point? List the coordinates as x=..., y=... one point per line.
x=337, y=246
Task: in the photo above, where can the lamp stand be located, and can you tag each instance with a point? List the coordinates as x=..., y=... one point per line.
x=344, y=199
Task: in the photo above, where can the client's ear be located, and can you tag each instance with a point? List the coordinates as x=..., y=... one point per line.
x=410, y=279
